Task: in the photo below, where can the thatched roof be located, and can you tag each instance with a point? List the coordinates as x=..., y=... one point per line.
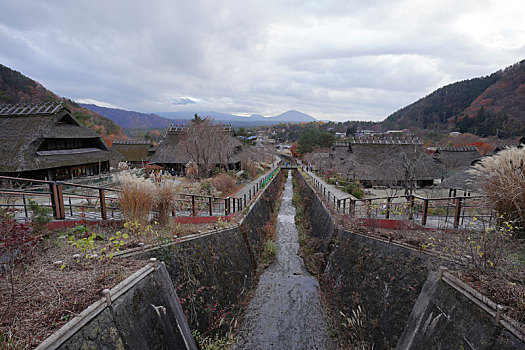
x=384, y=161
x=26, y=129
x=171, y=150
x=461, y=179
x=456, y=157
x=133, y=150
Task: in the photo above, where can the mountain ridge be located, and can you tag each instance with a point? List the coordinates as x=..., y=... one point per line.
x=131, y=119
x=18, y=88
x=490, y=105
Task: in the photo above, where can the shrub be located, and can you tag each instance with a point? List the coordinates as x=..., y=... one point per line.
x=223, y=183
x=503, y=181
x=137, y=197
x=251, y=168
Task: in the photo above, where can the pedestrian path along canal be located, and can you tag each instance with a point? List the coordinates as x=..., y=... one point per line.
x=285, y=312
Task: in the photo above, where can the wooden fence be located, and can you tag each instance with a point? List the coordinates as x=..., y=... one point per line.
x=70, y=201
x=455, y=211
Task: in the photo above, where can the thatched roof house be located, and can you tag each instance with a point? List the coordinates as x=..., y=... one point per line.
x=174, y=151
x=384, y=162
x=456, y=157
x=44, y=141
x=135, y=152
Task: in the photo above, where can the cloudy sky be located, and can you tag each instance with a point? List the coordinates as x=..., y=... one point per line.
x=337, y=60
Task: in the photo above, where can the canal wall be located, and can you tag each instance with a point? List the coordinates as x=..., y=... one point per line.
x=382, y=282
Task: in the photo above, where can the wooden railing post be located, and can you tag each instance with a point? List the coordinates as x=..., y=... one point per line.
x=233, y=203
x=457, y=212
x=103, y=212
x=410, y=206
x=210, y=204
x=425, y=212
x=387, y=214
x=351, y=209
x=193, y=207
x=61, y=207
x=338, y=204
x=55, y=200
x=344, y=205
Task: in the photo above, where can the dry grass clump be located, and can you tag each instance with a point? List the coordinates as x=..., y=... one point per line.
x=502, y=177
x=223, y=183
x=165, y=200
x=137, y=197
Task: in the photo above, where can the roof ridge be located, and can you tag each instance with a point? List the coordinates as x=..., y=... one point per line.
x=26, y=109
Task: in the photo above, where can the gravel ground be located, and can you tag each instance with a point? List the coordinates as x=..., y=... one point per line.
x=285, y=312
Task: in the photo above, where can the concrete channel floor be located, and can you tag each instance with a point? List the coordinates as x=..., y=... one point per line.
x=285, y=312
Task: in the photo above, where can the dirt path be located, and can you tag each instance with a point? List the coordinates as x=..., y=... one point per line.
x=285, y=312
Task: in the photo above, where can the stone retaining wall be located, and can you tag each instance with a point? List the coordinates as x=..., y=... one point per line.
x=384, y=279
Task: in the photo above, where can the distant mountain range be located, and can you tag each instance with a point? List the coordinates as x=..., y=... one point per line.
x=131, y=119
x=491, y=105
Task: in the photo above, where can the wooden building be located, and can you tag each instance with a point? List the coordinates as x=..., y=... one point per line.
x=456, y=158
x=381, y=162
x=171, y=152
x=44, y=141
x=136, y=153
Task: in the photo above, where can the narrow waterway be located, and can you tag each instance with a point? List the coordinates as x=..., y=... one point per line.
x=285, y=312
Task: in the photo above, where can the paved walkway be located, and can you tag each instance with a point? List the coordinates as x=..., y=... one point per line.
x=249, y=185
x=285, y=312
x=333, y=190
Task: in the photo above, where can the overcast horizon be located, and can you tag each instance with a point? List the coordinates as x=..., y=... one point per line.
x=334, y=60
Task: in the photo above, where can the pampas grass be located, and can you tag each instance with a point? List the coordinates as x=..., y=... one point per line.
x=137, y=196
x=503, y=180
x=165, y=200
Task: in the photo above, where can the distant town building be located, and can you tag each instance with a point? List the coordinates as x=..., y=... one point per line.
x=44, y=141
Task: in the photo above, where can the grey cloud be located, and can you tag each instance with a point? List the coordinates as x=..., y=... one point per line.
x=332, y=59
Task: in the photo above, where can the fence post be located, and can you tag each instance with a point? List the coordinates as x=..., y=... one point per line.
x=25, y=204
x=338, y=204
x=103, y=212
x=226, y=209
x=250, y=193
x=387, y=214
x=334, y=200
x=210, y=204
x=244, y=206
x=425, y=212
x=344, y=205
x=53, y=192
x=233, y=200
x=457, y=212
x=369, y=208
x=193, y=208
x=410, y=206
x=351, y=208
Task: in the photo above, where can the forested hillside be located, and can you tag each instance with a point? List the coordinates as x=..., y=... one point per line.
x=17, y=88
x=484, y=106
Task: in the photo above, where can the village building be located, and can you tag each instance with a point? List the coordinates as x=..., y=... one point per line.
x=175, y=157
x=380, y=162
x=44, y=141
x=456, y=158
x=135, y=152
